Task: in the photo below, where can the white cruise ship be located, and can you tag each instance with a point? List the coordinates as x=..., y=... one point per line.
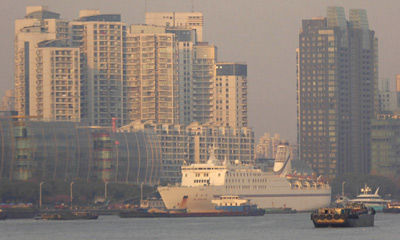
x=202, y=183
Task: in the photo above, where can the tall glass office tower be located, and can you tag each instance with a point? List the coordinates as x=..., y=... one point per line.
x=336, y=74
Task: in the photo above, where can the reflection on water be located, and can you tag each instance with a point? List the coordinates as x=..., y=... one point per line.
x=289, y=226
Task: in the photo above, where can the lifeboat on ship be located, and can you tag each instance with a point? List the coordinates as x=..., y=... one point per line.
x=291, y=176
x=302, y=178
x=310, y=178
x=321, y=180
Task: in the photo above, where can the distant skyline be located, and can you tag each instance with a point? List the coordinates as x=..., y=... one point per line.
x=263, y=34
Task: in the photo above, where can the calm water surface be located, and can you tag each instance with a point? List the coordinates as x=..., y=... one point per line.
x=276, y=227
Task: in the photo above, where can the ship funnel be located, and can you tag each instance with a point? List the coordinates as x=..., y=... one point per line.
x=282, y=160
x=212, y=159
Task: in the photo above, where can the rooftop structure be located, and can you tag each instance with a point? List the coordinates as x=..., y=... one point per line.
x=193, y=20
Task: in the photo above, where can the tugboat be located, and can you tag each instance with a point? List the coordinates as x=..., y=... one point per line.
x=392, y=208
x=352, y=215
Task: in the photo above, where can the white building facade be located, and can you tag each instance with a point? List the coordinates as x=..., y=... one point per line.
x=100, y=39
x=151, y=75
x=38, y=25
x=57, y=82
x=231, y=95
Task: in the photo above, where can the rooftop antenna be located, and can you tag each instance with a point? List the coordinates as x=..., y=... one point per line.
x=192, y=6
x=145, y=6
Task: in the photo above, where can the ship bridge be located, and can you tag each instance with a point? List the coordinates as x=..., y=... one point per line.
x=203, y=174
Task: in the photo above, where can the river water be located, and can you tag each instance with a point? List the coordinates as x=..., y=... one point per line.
x=277, y=227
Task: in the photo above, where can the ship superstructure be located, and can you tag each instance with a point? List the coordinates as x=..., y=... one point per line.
x=202, y=183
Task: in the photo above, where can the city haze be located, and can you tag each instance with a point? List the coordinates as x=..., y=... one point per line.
x=263, y=34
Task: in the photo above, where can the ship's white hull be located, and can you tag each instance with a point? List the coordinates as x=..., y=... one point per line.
x=199, y=198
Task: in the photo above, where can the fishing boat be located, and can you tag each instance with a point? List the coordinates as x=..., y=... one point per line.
x=370, y=200
x=351, y=215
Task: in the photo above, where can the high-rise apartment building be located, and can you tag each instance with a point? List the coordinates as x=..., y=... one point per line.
x=193, y=20
x=186, y=38
x=376, y=76
x=336, y=64
x=268, y=145
x=231, y=94
x=203, y=81
x=39, y=25
x=151, y=75
x=389, y=100
x=196, y=64
x=8, y=101
x=57, y=82
x=397, y=82
x=100, y=39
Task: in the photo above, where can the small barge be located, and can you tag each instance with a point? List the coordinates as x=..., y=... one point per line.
x=67, y=216
x=18, y=213
x=352, y=215
x=234, y=204
x=143, y=213
x=279, y=210
x=392, y=208
x=3, y=215
x=226, y=206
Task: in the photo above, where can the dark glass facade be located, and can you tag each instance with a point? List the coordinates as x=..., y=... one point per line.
x=34, y=150
x=385, y=145
x=336, y=92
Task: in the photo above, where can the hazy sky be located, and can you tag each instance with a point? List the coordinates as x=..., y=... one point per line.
x=261, y=33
